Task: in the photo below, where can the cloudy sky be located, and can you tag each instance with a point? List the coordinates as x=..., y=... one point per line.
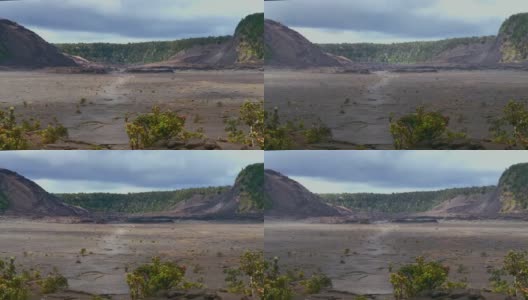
x=128, y=171
x=388, y=21
x=392, y=171
x=122, y=21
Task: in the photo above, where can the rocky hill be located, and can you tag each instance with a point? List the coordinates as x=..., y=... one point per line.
x=288, y=199
x=22, y=48
x=20, y=196
x=287, y=48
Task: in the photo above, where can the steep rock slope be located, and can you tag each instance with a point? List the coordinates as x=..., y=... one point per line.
x=285, y=47
x=20, y=47
x=289, y=199
x=20, y=196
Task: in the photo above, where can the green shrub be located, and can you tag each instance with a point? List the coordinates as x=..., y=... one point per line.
x=12, y=285
x=53, y=283
x=258, y=277
x=512, y=127
x=148, y=129
x=149, y=279
x=12, y=136
x=316, y=283
x=53, y=133
x=262, y=278
x=421, y=129
x=16, y=137
x=252, y=116
x=421, y=276
x=515, y=266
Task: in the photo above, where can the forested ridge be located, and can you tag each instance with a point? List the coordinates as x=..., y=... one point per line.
x=401, y=53
x=136, y=53
x=400, y=202
x=136, y=202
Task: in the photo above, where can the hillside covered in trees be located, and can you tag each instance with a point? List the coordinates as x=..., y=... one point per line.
x=250, y=182
x=245, y=46
x=402, y=53
x=136, y=202
x=410, y=202
x=513, y=188
x=136, y=53
x=251, y=32
x=514, y=38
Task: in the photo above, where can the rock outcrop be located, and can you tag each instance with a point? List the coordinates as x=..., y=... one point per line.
x=20, y=196
x=22, y=48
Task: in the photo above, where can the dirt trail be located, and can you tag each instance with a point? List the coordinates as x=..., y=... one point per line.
x=376, y=92
x=370, y=270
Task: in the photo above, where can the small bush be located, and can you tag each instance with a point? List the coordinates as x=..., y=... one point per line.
x=420, y=129
x=252, y=116
x=53, y=133
x=53, y=283
x=512, y=127
x=515, y=266
x=148, y=129
x=421, y=276
x=316, y=283
x=262, y=278
x=12, y=285
x=149, y=279
x=258, y=277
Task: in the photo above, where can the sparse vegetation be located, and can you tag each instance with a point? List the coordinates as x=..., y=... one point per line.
x=421, y=130
x=158, y=126
x=262, y=278
x=149, y=279
x=19, y=285
x=17, y=137
x=513, y=186
x=287, y=136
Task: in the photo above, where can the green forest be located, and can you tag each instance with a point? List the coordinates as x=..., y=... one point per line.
x=136, y=53
x=513, y=181
x=515, y=32
x=135, y=202
x=251, y=30
x=251, y=181
x=400, y=202
x=400, y=53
